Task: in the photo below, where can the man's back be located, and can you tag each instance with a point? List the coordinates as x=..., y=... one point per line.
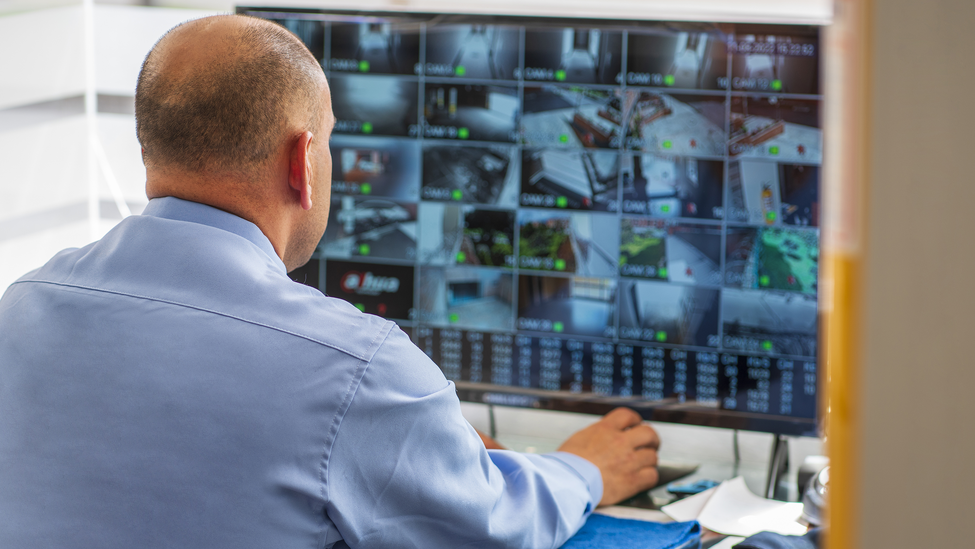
x=168, y=386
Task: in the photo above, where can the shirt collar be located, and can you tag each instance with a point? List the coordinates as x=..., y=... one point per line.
x=176, y=209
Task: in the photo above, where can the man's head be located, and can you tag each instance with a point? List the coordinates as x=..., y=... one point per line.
x=234, y=112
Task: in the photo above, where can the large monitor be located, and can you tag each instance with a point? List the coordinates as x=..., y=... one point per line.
x=580, y=214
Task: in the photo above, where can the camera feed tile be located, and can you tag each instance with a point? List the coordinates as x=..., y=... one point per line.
x=482, y=175
x=775, y=128
x=586, y=244
x=665, y=186
x=374, y=105
x=665, y=250
x=570, y=179
x=756, y=321
x=772, y=194
x=470, y=112
x=454, y=234
x=690, y=60
x=775, y=63
x=684, y=125
x=376, y=47
x=466, y=297
x=375, y=166
x=472, y=51
x=772, y=258
x=567, y=305
x=572, y=116
x=574, y=54
x=373, y=227
x=668, y=313
x=384, y=290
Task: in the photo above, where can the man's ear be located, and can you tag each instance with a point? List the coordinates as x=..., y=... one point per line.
x=300, y=174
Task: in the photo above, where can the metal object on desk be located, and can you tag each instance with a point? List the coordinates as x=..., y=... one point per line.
x=814, y=498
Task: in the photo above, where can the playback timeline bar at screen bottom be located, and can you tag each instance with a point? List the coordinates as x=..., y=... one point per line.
x=727, y=381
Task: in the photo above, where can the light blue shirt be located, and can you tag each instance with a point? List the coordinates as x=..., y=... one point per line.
x=170, y=387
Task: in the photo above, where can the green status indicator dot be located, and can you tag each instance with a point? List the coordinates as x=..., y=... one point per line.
x=463, y=133
x=564, y=138
x=662, y=272
x=770, y=216
x=764, y=280
x=361, y=307
x=454, y=317
x=364, y=249
x=661, y=335
x=669, y=80
x=460, y=70
x=365, y=188
x=767, y=345
x=559, y=264
x=367, y=127
x=561, y=202
x=560, y=75
x=457, y=194
x=665, y=208
x=461, y=256
x=668, y=144
x=558, y=327
x=363, y=66
x=774, y=149
x=777, y=85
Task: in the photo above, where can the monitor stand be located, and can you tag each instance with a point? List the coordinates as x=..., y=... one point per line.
x=778, y=468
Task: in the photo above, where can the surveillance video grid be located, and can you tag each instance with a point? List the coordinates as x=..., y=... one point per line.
x=519, y=191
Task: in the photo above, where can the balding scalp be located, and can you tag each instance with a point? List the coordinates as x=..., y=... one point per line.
x=229, y=107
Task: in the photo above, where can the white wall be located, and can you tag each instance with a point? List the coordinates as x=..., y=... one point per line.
x=918, y=373
x=43, y=131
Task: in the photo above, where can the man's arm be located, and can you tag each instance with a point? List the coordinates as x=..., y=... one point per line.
x=406, y=468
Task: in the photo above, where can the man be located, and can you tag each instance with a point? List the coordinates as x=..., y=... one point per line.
x=169, y=386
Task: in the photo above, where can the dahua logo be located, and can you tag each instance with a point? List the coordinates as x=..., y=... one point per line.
x=368, y=283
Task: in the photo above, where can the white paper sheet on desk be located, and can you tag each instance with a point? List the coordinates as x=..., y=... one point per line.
x=732, y=509
x=690, y=507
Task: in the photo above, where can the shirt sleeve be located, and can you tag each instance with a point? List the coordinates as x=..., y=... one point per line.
x=407, y=470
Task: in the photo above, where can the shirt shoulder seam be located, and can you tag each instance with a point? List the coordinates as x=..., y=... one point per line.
x=197, y=308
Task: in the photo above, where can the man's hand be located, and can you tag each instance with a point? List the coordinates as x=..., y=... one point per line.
x=624, y=449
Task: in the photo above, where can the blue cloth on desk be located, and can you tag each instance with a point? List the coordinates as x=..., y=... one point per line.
x=768, y=540
x=604, y=532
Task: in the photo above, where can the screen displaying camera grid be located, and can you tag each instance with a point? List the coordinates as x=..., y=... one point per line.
x=580, y=214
